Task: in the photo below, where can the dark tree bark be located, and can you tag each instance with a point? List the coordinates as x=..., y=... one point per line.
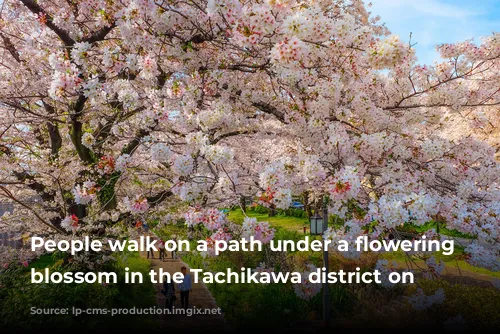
x=307, y=205
x=272, y=210
x=243, y=203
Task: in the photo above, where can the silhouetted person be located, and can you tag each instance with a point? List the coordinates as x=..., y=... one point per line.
x=169, y=292
x=185, y=287
x=161, y=248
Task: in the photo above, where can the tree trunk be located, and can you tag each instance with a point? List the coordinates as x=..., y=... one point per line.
x=307, y=206
x=272, y=211
x=318, y=206
x=106, y=195
x=243, y=203
x=78, y=210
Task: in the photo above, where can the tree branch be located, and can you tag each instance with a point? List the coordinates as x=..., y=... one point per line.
x=269, y=109
x=158, y=198
x=10, y=47
x=36, y=9
x=9, y=195
x=55, y=136
x=231, y=134
x=100, y=34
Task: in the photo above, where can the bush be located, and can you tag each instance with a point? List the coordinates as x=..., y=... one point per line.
x=260, y=209
x=284, y=234
x=18, y=295
x=381, y=308
x=292, y=212
x=440, y=227
x=477, y=305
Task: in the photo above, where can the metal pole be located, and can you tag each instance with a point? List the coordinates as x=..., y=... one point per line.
x=326, y=292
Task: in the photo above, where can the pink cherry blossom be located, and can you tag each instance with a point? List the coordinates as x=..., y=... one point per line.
x=124, y=108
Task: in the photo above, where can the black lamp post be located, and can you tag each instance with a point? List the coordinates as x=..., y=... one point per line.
x=318, y=225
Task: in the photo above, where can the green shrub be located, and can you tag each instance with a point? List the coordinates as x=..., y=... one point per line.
x=292, y=212
x=261, y=209
x=271, y=305
x=18, y=295
x=478, y=305
x=439, y=227
x=274, y=305
x=284, y=234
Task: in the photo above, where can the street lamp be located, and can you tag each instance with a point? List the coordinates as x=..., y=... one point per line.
x=318, y=225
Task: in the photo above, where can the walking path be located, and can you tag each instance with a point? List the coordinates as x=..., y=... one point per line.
x=200, y=298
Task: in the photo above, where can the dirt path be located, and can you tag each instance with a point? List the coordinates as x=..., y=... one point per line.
x=199, y=298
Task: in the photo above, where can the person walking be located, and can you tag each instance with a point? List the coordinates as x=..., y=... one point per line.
x=169, y=292
x=152, y=253
x=174, y=238
x=185, y=287
x=161, y=249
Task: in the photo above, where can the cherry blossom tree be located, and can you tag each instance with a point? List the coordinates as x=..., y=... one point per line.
x=120, y=111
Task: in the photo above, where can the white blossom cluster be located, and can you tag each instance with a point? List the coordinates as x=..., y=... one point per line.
x=306, y=290
x=65, y=79
x=160, y=152
x=85, y=193
x=482, y=257
x=435, y=268
x=123, y=162
x=183, y=165
x=259, y=230
x=211, y=218
x=137, y=205
x=388, y=52
x=420, y=301
x=386, y=268
x=88, y=140
x=70, y=223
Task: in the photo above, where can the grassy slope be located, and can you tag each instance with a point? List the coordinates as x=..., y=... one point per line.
x=288, y=223
x=442, y=229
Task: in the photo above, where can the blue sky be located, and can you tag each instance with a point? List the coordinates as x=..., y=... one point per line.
x=432, y=22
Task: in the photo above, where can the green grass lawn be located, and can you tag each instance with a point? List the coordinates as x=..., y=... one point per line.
x=286, y=222
x=433, y=225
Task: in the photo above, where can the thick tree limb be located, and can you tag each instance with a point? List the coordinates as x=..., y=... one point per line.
x=10, y=47
x=61, y=33
x=12, y=197
x=54, y=134
x=414, y=106
x=269, y=109
x=231, y=134
x=77, y=130
x=158, y=198
x=100, y=34
x=132, y=145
